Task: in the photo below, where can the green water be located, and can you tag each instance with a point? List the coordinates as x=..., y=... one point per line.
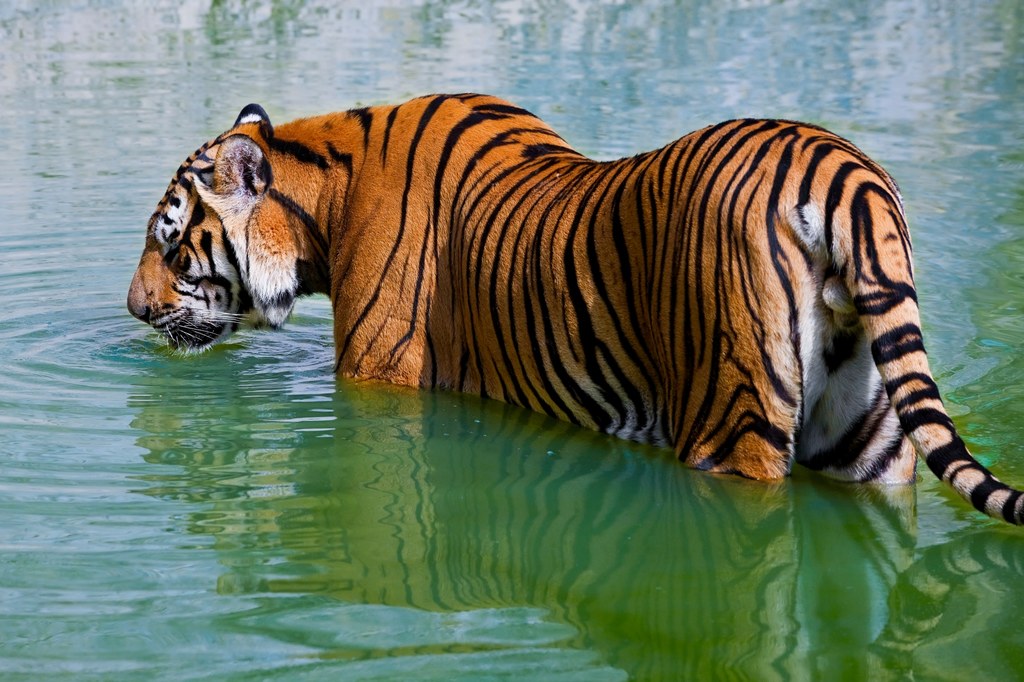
x=243, y=515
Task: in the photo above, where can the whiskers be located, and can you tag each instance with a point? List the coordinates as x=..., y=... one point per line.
x=221, y=316
x=193, y=330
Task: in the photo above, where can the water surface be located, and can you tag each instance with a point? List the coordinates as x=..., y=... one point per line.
x=241, y=514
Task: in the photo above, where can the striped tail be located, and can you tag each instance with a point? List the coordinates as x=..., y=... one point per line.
x=873, y=252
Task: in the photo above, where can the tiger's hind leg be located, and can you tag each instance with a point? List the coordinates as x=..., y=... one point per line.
x=850, y=430
x=746, y=421
x=750, y=453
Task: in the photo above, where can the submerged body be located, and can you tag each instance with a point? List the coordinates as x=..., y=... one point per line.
x=743, y=295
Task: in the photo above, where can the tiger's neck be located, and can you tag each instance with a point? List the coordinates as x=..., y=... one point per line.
x=312, y=162
x=396, y=198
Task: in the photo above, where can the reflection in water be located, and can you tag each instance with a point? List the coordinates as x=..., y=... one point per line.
x=958, y=597
x=451, y=526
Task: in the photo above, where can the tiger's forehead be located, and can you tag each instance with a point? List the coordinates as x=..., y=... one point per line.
x=167, y=224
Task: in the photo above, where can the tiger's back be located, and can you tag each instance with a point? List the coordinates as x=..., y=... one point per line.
x=642, y=298
x=744, y=295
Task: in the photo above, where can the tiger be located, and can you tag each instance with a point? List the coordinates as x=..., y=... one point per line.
x=744, y=295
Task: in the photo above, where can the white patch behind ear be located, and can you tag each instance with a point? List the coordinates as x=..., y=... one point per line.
x=249, y=118
x=253, y=113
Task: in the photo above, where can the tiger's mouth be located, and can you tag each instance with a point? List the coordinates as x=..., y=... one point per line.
x=195, y=331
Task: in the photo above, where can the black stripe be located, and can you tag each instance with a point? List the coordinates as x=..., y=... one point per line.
x=198, y=215
x=896, y=343
x=365, y=117
x=820, y=152
x=867, y=263
x=216, y=280
x=930, y=392
x=206, y=244
x=308, y=221
x=553, y=215
x=528, y=259
x=229, y=249
x=282, y=299
x=853, y=441
x=532, y=151
x=614, y=189
x=899, y=382
x=982, y=491
x=780, y=260
x=495, y=287
x=172, y=253
x=546, y=394
x=480, y=266
x=503, y=109
x=344, y=158
x=298, y=151
x=450, y=143
x=835, y=195
x=718, y=306
x=461, y=212
x=425, y=119
x=387, y=134
x=546, y=405
x=1009, y=507
x=881, y=464
x=589, y=341
x=639, y=349
x=502, y=139
x=881, y=302
x=943, y=457
x=750, y=424
x=912, y=420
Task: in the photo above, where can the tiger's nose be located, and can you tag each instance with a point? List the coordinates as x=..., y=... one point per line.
x=141, y=312
x=138, y=305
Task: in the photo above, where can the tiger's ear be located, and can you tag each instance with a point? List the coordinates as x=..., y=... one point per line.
x=241, y=170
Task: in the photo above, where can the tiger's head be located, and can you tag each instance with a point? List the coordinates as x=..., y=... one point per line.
x=205, y=268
